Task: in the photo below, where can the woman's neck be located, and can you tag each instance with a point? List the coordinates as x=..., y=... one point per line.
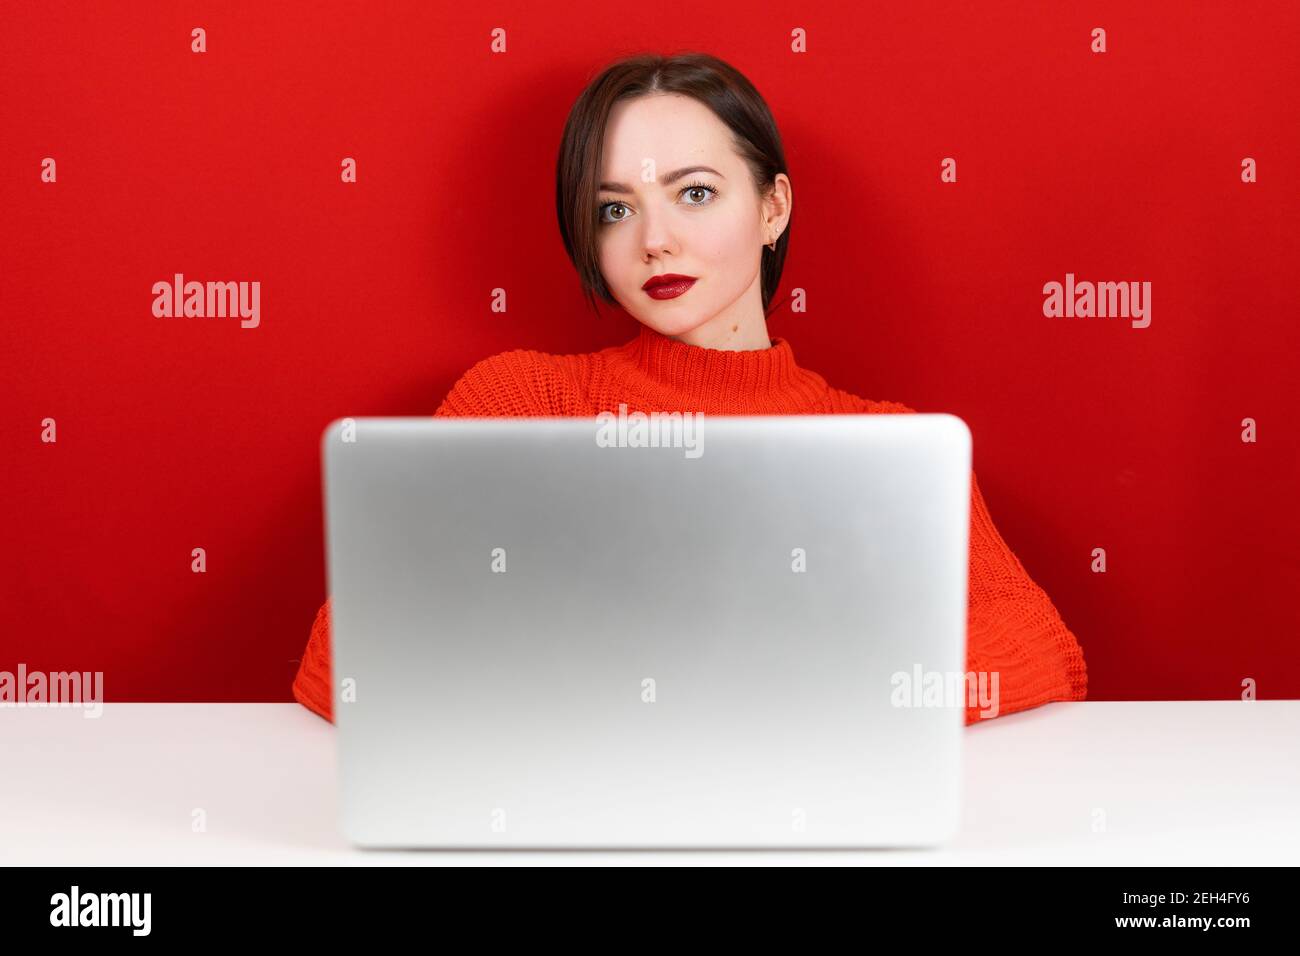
x=729, y=332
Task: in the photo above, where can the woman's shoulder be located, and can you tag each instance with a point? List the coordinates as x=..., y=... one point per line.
x=518, y=382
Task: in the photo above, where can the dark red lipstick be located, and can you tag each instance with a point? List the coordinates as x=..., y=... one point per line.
x=667, y=286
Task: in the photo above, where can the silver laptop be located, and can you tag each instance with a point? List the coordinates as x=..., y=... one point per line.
x=630, y=631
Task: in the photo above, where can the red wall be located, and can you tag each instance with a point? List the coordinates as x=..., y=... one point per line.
x=183, y=433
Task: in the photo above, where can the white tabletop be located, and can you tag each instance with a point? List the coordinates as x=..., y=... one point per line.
x=1093, y=783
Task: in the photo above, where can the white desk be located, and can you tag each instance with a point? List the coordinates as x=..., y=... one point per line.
x=1179, y=783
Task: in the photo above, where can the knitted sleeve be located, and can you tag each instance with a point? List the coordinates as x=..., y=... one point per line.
x=510, y=384
x=1013, y=628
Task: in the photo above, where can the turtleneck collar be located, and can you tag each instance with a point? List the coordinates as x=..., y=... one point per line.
x=695, y=370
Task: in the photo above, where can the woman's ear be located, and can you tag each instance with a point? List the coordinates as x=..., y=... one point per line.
x=776, y=206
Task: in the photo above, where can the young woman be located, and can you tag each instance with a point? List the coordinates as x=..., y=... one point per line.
x=674, y=204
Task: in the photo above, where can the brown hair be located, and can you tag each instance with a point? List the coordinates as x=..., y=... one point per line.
x=716, y=84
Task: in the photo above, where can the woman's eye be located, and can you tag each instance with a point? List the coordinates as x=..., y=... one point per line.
x=613, y=205
x=706, y=195
x=706, y=192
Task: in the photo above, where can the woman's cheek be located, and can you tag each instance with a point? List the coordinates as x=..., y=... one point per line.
x=726, y=244
x=611, y=267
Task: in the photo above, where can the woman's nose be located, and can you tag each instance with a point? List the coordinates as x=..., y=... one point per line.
x=657, y=236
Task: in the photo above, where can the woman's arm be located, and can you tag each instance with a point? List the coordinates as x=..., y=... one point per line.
x=1014, y=630
x=313, y=687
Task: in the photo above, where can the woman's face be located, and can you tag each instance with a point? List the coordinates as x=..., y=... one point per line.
x=660, y=214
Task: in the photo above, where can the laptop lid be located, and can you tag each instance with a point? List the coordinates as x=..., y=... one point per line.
x=556, y=633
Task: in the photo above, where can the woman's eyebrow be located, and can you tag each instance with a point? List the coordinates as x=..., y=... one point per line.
x=668, y=180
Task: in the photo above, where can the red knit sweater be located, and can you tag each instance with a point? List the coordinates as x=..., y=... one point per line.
x=1013, y=627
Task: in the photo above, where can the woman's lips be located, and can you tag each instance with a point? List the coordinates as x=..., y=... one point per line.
x=668, y=286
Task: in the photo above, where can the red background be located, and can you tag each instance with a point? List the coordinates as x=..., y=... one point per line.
x=183, y=433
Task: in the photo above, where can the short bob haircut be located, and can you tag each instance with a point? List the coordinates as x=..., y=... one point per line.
x=716, y=84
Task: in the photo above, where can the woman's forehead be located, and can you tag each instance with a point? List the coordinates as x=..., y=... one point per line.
x=665, y=133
